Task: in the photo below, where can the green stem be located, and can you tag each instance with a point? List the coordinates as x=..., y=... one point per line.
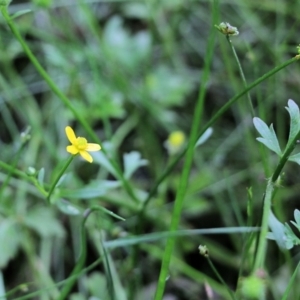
x=241, y=73
x=64, y=99
x=62, y=171
x=262, y=242
x=12, y=171
x=232, y=295
x=188, y=161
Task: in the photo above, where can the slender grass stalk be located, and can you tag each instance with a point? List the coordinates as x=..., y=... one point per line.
x=189, y=159
x=292, y=280
x=64, y=99
x=60, y=174
x=241, y=73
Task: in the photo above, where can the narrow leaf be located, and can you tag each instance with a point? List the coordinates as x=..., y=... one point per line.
x=204, y=137
x=101, y=159
x=278, y=231
x=293, y=110
x=295, y=158
x=109, y=212
x=67, y=208
x=41, y=176
x=269, y=138
x=132, y=161
x=21, y=13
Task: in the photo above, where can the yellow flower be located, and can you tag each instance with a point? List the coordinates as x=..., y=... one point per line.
x=175, y=142
x=80, y=145
x=176, y=138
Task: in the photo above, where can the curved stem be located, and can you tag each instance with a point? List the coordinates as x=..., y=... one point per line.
x=61, y=173
x=241, y=73
x=230, y=292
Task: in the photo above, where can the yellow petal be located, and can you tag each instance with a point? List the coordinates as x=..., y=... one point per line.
x=71, y=149
x=70, y=134
x=92, y=147
x=86, y=156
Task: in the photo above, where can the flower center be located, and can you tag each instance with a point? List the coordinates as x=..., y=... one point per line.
x=81, y=143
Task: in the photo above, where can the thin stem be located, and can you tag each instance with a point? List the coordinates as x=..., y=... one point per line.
x=241, y=73
x=61, y=173
x=262, y=242
x=232, y=295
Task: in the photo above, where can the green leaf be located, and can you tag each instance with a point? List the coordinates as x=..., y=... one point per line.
x=297, y=219
x=132, y=161
x=93, y=190
x=67, y=208
x=291, y=282
x=290, y=238
x=109, y=212
x=295, y=158
x=21, y=13
x=269, y=138
x=297, y=216
x=293, y=110
x=41, y=176
x=42, y=220
x=10, y=238
x=205, y=136
x=101, y=159
x=279, y=232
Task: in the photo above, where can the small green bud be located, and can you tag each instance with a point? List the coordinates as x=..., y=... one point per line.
x=25, y=135
x=203, y=250
x=31, y=171
x=227, y=29
x=254, y=286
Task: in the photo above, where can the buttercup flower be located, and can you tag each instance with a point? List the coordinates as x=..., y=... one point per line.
x=175, y=142
x=80, y=145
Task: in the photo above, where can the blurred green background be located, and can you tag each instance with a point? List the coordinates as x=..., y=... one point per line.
x=133, y=70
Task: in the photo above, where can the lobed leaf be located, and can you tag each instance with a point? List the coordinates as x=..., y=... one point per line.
x=294, y=112
x=269, y=138
x=132, y=161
